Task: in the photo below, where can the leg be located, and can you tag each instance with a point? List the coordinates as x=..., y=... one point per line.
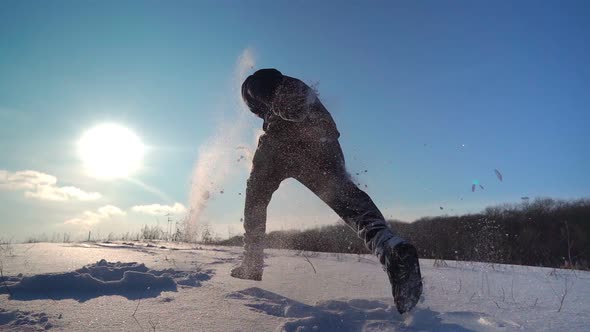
x=323, y=171
x=265, y=178
x=324, y=174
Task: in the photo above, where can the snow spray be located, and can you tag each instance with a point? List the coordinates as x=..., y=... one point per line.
x=216, y=157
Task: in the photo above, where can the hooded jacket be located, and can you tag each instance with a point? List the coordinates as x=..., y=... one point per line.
x=291, y=110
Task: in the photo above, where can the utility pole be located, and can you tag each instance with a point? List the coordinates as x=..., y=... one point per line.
x=169, y=228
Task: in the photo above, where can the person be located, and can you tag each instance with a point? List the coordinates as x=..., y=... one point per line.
x=300, y=141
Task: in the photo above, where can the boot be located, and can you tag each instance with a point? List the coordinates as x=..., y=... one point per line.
x=403, y=269
x=250, y=268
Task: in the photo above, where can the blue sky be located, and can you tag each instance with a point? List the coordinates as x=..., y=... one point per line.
x=428, y=96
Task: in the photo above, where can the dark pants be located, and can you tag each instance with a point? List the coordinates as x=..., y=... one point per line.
x=320, y=167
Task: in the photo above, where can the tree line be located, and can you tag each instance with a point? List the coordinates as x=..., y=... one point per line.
x=544, y=232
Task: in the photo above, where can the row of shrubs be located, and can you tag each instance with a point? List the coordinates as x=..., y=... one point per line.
x=545, y=232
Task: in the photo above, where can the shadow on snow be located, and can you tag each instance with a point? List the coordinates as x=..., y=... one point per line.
x=360, y=315
x=130, y=280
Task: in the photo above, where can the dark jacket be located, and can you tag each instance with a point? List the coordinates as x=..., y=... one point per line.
x=291, y=110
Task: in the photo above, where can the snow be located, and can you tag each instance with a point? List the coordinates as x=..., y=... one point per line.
x=131, y=280
x=21, y=320
x=175, y=287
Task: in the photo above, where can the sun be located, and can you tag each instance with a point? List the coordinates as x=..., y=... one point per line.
x=110, y=151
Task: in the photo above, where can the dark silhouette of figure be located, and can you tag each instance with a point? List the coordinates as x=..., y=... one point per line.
x=300, y=141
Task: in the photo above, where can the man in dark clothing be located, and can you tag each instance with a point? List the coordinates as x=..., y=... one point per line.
x=301, y=142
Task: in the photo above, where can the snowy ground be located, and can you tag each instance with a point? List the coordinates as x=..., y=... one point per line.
x=171, y=287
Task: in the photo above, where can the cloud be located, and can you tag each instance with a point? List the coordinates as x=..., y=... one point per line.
x=23, y=180
x=90, y=218
x=111, y=210
x=49, y=193
x=158, y=210
x=42, y=186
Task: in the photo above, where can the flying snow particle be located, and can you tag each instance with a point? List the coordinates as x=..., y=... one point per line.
x=498, y=174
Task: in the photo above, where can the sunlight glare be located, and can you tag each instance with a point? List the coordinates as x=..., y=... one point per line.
x=110, y=151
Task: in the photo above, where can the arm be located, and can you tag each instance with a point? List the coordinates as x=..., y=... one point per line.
x=293, y=100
